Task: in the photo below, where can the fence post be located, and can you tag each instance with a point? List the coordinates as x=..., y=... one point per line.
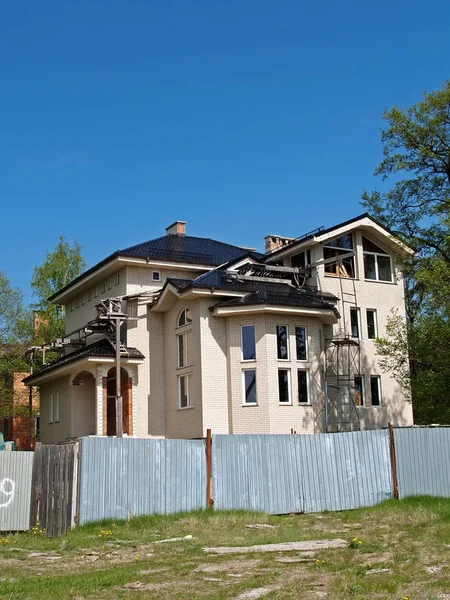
x=393, y=460
x=209, y=500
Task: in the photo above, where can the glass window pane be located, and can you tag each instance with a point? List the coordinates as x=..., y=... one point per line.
x=283, y=385
x=282, y=342
x=248, y=342
x=369, y=266
x=384, y=268
x=184, y=393
x=250, y=386
x=375, y=391
x=369, y=246
x=344, y=241
x=300, y=340
x=181, y=353
x=354, y=322
x=371, y=327
x=359, y=391
x=303, y=387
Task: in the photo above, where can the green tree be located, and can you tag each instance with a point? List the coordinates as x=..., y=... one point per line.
x=416, y=153
x=59, y=268
x=15, y=335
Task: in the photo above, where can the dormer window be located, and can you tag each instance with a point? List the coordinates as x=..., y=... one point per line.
x=184, y=318
x=336, y=249
x=377, y=262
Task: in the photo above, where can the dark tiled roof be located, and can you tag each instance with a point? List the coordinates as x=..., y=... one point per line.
x=284, y=295
x=185, y=248
x=180, y=284
x=100, y=348
x=257, y=292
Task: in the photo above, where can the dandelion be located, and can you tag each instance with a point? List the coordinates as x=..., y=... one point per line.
x=138, y=557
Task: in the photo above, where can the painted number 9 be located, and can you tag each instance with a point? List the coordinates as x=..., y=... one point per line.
x=7, y=487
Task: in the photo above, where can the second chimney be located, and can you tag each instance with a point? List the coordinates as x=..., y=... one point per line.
x=177, y=228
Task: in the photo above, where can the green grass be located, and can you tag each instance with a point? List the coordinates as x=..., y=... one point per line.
x=98, y=560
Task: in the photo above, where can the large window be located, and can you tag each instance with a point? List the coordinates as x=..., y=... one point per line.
x=284, y=392
x=184, y=345
x=300, y=341
x=184, y=391
x=335, y=250
x=282, y=342
x=301, y=260
x=54, y=407
x=377, y=262
x=371, y=323
x=375, y=394
x=302, y=377
x=359, y=390
x=248, y=342
x=249, y=381
x=354, y=322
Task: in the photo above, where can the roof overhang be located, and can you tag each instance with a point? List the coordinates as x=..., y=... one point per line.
x=326, y=316
x=170, y=295
x=77, y=365
x=96, y=274
x=365, y=222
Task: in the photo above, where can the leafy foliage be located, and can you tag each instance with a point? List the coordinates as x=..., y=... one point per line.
x=59, y=268
x=416, y=144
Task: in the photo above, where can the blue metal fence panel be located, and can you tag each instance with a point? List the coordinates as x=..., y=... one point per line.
x=16, y=471
x=121, y=478
x=423, y=461
x=301, y=473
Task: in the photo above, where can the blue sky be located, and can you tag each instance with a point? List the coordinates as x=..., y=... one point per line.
x=242, y=118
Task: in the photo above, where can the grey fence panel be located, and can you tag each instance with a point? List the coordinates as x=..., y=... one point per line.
x=256, y=472
x=294, y=473
x=16, y=469
x=345, y=470
x=120, y=478
x=423, y=461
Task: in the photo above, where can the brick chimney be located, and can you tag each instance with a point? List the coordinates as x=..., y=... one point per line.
x=273, y=242
x=177, y=228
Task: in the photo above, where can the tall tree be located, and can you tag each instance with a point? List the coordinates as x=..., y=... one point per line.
x=15, y=334
x=416, y=150
x=59, y=268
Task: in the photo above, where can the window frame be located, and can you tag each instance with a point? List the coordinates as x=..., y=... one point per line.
x=244, y=388
x=376, y=378
x=56, y=410
x=360, y=391
x=187, y=377
x=376, y=255
x=243, y=359
x=308, y=400
x=305, y=329
x=158, y=278
x=289, y=387
x=339, y=251
x=372, y=311
x=184, y=336
x=355, y=311
x=187, y=318
x=51, y=404
x=287, y=343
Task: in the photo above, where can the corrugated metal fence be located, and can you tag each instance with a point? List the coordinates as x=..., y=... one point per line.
x=126, y=477
x=423, y=461
x=120, y=478
x=301, y=473
x=15, y=490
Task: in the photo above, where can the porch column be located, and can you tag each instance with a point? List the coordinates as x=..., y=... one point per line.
x=99, y=400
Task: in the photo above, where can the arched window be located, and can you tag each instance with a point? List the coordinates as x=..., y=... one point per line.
x=184, y=318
